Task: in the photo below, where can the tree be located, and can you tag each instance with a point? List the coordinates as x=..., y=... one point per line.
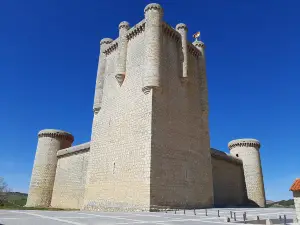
x=3, y=191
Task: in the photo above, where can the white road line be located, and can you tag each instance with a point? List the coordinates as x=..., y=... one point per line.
x=279, y=213
x=11, y=218
x=74, y=217
x=113, y=217
x=49, y=217
x=148, y=215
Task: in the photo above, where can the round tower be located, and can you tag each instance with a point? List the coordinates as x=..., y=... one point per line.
x=182, y=30
x=153, y=46
x=100, y=75
x=121, y=62
x=44, y=167
x=248, y=151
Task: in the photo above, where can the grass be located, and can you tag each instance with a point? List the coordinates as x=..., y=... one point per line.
x=17, y=201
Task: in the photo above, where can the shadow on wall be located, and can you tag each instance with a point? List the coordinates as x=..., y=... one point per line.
x=249, y=204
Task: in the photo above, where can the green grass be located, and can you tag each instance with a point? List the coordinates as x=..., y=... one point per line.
x=17, y=201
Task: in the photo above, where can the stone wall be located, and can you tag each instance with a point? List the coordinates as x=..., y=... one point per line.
x=119, y=168
x=69, y=185
x=296, y=195
x=228, y=180
x=181, y=172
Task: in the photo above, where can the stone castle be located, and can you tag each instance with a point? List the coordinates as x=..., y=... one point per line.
x=150, y=143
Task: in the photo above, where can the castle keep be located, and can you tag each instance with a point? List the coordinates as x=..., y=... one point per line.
x=150, y=143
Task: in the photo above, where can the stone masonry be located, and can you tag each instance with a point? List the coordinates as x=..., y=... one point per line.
x=248, y=151
x=150, y=143
x=295, y=188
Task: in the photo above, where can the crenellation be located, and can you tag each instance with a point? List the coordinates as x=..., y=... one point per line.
x=154, y=6
x=112, y=47
x=193, y=50
x=171, y=32
x=244, y=143
x=56, y=134
x=136, y=30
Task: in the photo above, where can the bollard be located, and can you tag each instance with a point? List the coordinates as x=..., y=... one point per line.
x=269, y=222
x=227, y=219
x=194, y=211
x=205, y=212
x=175, y=211
x=218, y=213
x=295, y=220
x=231, y=214
x=284, y=219
x=184, y=211
x=234, y=214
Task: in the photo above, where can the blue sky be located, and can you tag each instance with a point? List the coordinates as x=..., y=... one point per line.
x=48, y=63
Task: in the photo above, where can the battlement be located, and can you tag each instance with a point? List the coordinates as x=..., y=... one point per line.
x=153, y=6
x=136, y=30
x=223, y=156
x=106, y=41
x=111, y=47
x=247, y=142
x=74, y=149
x=157, y=34
x=56, y=134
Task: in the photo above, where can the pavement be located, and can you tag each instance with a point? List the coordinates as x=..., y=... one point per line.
x=36, y=217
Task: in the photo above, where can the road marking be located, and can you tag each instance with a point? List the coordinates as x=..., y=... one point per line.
x=11, y=218
x=74, y=217
x=49, y=217
x=113, y=217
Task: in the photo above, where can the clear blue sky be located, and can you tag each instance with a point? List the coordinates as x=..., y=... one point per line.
x=48, y=63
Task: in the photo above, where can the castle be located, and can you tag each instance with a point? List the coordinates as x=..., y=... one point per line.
x=150, y=143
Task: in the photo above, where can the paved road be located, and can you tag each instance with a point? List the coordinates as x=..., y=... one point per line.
x=34, y=217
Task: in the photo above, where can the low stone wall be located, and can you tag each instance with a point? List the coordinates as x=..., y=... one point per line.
x=68, y=190
x=228, y=180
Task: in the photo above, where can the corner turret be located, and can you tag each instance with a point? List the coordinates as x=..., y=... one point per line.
x=153, y=47
x=248, y=151
x=182, y=29
x=100, y=74
x=202, y=77
x=121, y=61
x=44, y=168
